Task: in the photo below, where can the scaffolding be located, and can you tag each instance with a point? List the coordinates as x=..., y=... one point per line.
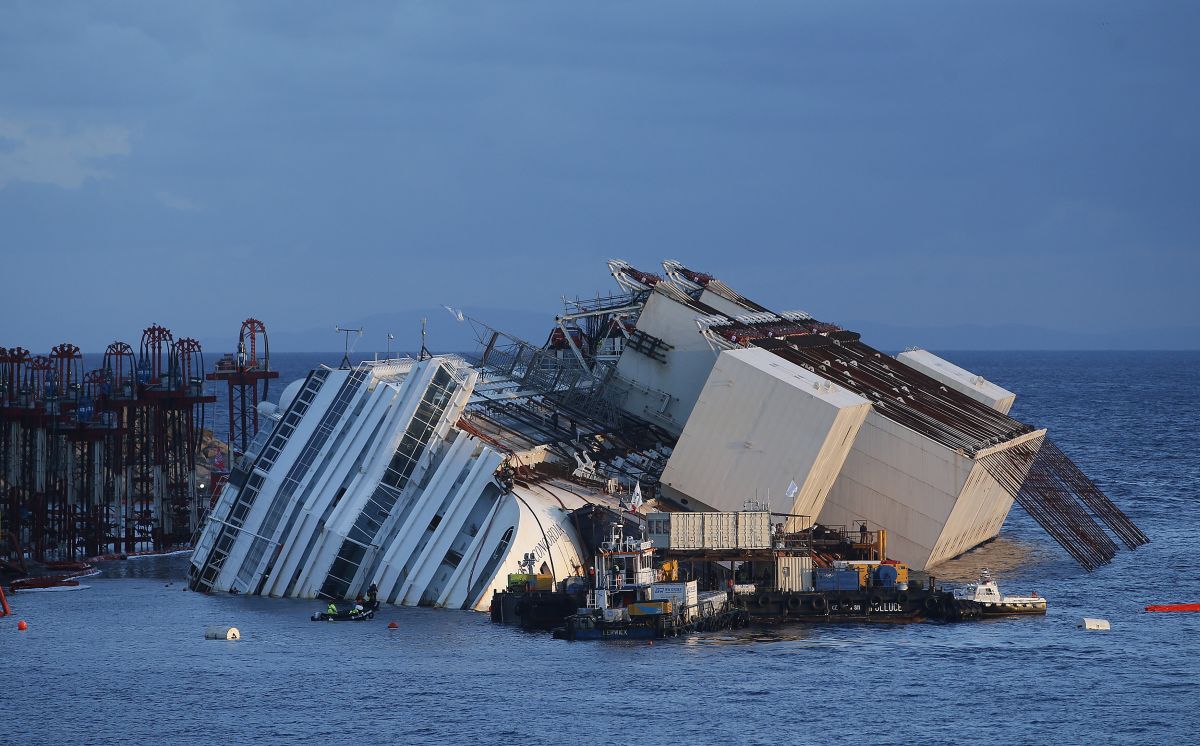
x=247, y=376
x=102, y=461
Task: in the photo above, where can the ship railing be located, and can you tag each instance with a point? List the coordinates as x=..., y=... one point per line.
x=795, y=543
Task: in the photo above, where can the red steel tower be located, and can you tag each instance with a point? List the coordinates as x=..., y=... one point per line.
x=247, y=377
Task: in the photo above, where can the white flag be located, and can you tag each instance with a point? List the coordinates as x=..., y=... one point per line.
x=791, y=490
x=455, y=312
x=636, y=500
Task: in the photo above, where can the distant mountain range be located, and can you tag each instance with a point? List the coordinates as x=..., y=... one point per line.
x=446, y=334
x=1023, y=337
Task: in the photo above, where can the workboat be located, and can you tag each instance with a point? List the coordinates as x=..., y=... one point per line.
x=47, y=583
x=986, y=593
x=349, y=615
x=631, y=599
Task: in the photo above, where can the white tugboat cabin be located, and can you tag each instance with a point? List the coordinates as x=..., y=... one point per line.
x=987, y=593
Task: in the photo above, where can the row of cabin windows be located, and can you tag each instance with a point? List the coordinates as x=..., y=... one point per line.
x=416, y=439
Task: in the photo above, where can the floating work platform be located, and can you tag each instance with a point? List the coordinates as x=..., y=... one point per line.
x=650, y=627
x=534, y=609
x=862, y=605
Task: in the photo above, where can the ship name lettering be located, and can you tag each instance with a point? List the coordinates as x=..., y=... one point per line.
x=552, y=537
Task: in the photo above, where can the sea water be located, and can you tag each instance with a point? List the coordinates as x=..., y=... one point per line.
x=125, y=661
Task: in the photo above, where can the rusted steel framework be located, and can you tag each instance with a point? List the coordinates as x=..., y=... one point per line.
x=1031, y=473
x=102, y=460
x=902, y=394
x=1097, y=502
x=247, y=378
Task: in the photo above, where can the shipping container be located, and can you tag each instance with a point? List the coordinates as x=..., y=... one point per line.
x=687, y=530
x=649, y=608
x=794, y=574
x=720, y=530
x=679, y=594
x=744, y=530
x=835, y=580
x=754, y=530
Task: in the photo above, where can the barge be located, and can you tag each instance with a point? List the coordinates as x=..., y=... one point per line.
x=649, y=587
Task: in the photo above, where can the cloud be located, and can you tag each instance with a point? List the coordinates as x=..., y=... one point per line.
x=177, y=202
x=48, y=155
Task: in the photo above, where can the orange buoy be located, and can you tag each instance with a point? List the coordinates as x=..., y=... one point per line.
x=21, y=625
x=393, y=625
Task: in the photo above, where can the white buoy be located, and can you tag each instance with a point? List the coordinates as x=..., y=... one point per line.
x=1090, y=623
x=222, y=633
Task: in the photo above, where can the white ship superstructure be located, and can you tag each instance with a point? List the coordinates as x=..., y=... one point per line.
x=367, y=478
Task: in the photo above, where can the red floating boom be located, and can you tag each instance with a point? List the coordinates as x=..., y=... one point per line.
x=1174, y=607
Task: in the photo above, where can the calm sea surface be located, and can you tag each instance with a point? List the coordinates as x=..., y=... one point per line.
x=125, y=661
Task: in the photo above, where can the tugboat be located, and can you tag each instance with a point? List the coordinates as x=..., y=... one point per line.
x=986, y=593
x=628, y=601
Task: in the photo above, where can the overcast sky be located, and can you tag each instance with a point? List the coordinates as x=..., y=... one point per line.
x=917, y=164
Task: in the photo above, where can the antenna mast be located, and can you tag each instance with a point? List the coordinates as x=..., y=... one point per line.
x=424, y=354
x=346, y=354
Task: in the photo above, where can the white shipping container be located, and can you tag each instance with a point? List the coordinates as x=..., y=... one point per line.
x=744, y=530
x=687, y=530
x=679, y=594
x=794, y=574
x=754, y=530
x=720, y=530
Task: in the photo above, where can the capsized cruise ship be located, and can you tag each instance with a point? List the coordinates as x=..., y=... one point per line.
x=435, y=478
x=431, y=479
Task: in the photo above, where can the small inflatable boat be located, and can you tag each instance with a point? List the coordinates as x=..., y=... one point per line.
x=348, y=615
